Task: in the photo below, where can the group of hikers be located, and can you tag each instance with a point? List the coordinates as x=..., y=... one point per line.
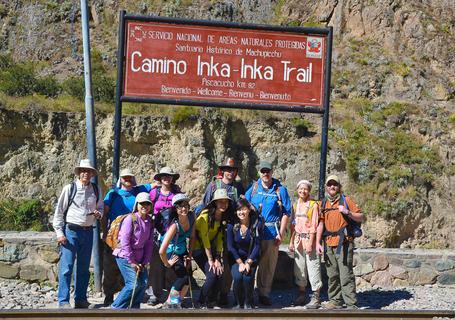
x=150, y=235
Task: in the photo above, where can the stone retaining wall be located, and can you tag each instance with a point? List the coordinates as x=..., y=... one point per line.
x=33, y=256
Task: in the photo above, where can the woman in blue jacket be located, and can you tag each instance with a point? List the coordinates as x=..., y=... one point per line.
x=243, y=242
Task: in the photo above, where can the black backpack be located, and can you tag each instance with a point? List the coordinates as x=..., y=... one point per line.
x=162, y=220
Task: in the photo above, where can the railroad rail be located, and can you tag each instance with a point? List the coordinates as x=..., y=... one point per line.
x=191, y=314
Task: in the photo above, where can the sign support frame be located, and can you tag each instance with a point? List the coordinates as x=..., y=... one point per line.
x=119, y=99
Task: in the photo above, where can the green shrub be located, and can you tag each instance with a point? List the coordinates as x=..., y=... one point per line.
x=18, y=80
x=48, y=86
x=452, y=118
x=183, y=113
x=22, y=215
x=5, y=61
x=74, y=86
x=103, y=88
x=302, y=125
x=391, y=168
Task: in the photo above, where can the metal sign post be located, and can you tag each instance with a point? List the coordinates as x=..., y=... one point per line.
x=219, y=64
x=90, y=135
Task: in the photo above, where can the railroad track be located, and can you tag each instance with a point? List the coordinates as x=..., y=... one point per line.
x=190, y=314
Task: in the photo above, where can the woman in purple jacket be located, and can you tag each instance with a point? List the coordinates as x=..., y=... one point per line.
x=134, y=252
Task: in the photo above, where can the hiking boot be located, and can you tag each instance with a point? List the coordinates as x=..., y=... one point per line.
x=352, y=307
x=83, y=305
x=264, y=300
x=301, y=299
x=315, y=303
x=108, y=300
x=65, y=306
x=332, y=305
x=247, y=306
x=152, y=300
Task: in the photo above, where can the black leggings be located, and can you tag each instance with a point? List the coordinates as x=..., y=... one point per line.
x=212, y=281
x=181, y=272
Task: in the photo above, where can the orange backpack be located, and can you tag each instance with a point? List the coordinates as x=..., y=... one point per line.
x=112, y=235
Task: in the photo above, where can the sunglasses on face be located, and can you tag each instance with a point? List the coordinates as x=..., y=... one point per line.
x=145, y=203
x=182, y=206
x=265, y=171
x=332, y=183
x=230, y=170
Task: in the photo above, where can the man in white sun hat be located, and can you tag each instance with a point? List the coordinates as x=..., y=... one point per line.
x=79, y=205
x=119, y=200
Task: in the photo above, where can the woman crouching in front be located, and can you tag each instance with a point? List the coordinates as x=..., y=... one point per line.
x=134, y=252
x=173, y=250
x=244, y=243
x=208, y=245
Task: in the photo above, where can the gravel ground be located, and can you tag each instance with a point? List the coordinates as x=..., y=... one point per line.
x=20, y=295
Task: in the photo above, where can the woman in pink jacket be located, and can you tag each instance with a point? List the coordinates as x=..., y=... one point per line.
x=134, y=252
x=305, y=242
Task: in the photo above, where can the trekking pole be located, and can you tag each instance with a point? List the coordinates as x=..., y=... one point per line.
x=190, y=269
x=134, y=289
x=191, y=292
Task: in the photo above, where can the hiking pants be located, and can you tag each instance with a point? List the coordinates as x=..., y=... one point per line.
x=341, y=275
x=243, y=285
x=307, y=264
x=112, y=278
x=266, y=267
x=212, y=281
x=131, y=278
x=78, y=247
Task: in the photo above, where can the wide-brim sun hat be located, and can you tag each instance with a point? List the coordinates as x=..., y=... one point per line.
x=229, y=163
x=332, y=177
x=166, y=171
x=180, y=197
x=142, y=197
x=127, y=172
x=220, y=194
x=85, y=164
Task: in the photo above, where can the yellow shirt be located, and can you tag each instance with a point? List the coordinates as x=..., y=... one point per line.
x=205, y=235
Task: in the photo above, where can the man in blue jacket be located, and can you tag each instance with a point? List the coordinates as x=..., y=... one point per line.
x=119, y=200
x=272, y=200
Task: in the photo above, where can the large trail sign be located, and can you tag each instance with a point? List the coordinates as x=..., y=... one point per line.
x=205, y=63
x=202, y=63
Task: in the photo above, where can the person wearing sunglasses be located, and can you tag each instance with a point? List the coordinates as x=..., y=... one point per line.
x=162, y=193
x=207, y=245
x=337, y=211
x=226, y=178
x=174, y=251
x=272, y=201
x=134, y=252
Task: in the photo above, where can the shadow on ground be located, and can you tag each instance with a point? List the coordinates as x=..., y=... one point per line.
x=377, y=299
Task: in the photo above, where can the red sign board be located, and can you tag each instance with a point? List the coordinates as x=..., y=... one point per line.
x=211, y=63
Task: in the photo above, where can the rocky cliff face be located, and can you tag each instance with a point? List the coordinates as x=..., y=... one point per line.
x=392, y=117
